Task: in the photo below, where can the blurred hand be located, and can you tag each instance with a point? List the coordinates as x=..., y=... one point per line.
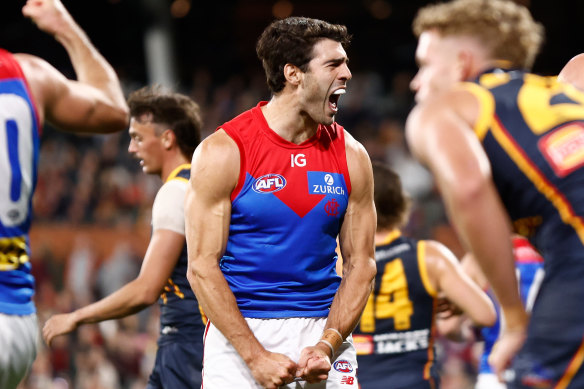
x=58, y=325
x=504, y=350
x=272, y=370
x=50, y=16
x=314, y=364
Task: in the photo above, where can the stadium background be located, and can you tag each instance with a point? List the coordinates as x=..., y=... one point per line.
x=93, y=203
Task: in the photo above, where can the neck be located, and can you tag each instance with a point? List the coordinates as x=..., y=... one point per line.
x=171, y=162
x=382, y=234
x=286, y=118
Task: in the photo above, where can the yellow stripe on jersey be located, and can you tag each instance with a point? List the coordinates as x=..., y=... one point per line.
x=538, y=179
x=174, y=173
x=424, y=270
x=393, y=235
x=572, y=369
x=487, y=108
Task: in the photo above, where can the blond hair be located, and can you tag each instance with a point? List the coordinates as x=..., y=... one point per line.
x=505, y=28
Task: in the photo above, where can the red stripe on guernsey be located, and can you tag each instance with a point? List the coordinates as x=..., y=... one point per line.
x=524, y=252
x=204, y=338
x=539, y=180
x=10, y=68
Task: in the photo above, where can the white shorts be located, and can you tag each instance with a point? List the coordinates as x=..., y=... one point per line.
x=224, y=368
x=489, y=381
x=18, y=344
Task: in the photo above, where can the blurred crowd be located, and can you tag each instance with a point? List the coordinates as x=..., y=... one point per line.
x=93, y=181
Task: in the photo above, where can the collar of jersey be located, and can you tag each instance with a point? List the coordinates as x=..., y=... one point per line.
x=391, y=236
x=176, y=170
x=277, y=139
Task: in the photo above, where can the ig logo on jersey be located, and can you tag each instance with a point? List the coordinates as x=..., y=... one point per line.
x=269, y=183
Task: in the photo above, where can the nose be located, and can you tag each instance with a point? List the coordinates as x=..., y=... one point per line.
x=132, y=147
x=345, y=73
x=415, y=83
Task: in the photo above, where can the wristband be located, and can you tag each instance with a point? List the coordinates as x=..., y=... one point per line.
x=333, y=338
x=330, y=346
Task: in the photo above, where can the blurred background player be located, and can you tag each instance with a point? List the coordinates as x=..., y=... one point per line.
x=395, y=338
x=529, y=272
x=164, y=130
x=270, y=192
x=32, y=91
x=507, y=145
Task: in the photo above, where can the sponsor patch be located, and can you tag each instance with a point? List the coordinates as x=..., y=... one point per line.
x=269, y=183
x=363, y=344
x=564, y=148
x=343, y=366
x=324, y=183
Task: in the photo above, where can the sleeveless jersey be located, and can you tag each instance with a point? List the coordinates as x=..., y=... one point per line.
x=395, y=337
x=179, y=308
x=286, y=213
x=532, y=130
x=19, y=148
x=529, y=271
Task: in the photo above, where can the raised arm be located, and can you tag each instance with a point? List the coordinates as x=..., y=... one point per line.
x=214, y=174
x=93, y=103
x=440, y=135
x=357, y=246
x=160, y=259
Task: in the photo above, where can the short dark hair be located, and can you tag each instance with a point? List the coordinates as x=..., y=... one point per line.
x=391, y=203
x=179, y=112
x=291, y=41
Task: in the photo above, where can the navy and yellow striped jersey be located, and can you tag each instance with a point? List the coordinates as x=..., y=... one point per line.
x=532, y=130
x=394, y=339
x=180, y=313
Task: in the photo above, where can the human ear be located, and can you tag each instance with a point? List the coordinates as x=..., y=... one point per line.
x=292, y=73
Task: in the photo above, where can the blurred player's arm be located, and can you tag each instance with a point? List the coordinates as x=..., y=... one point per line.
x=357, y=246
x=93, y=103
x=440, y=135
x=160, y=259
x=214, y=175
x=447, y=274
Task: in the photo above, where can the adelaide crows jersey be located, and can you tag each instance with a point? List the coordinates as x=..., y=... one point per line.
x=19, y=147
x=532, y=129
x=287, y=210
x=180, y=314
x=394, y=339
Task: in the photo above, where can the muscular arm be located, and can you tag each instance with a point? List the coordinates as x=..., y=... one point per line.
x=440, y=135
x=214, y=174
x=93, y=103
x=161, y=257
x=356, y=241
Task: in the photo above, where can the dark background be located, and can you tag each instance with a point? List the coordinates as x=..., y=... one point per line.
x=221, y=35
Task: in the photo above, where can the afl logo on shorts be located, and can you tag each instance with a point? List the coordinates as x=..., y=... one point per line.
x=269, y=183
x=343, y=366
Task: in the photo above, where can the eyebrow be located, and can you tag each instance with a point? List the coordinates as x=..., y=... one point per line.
x=337, y=61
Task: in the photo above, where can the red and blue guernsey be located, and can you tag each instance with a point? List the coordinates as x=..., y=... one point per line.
x=287, y=210
x=19, y=146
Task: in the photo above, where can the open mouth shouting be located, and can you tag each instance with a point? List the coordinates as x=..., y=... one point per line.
x=334, y=99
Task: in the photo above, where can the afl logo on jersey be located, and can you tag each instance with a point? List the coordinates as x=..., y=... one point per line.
x=343, y=366
x=269, y=183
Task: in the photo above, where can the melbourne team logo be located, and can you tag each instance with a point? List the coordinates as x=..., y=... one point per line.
x=343, y=366
x=332, y=208
x=269, y=183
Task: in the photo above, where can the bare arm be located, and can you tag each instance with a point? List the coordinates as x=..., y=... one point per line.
x=356, y=241
x=440, y=135
x=93, y=103
x=457, y=285
x=214, y=174
x=160, y=259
